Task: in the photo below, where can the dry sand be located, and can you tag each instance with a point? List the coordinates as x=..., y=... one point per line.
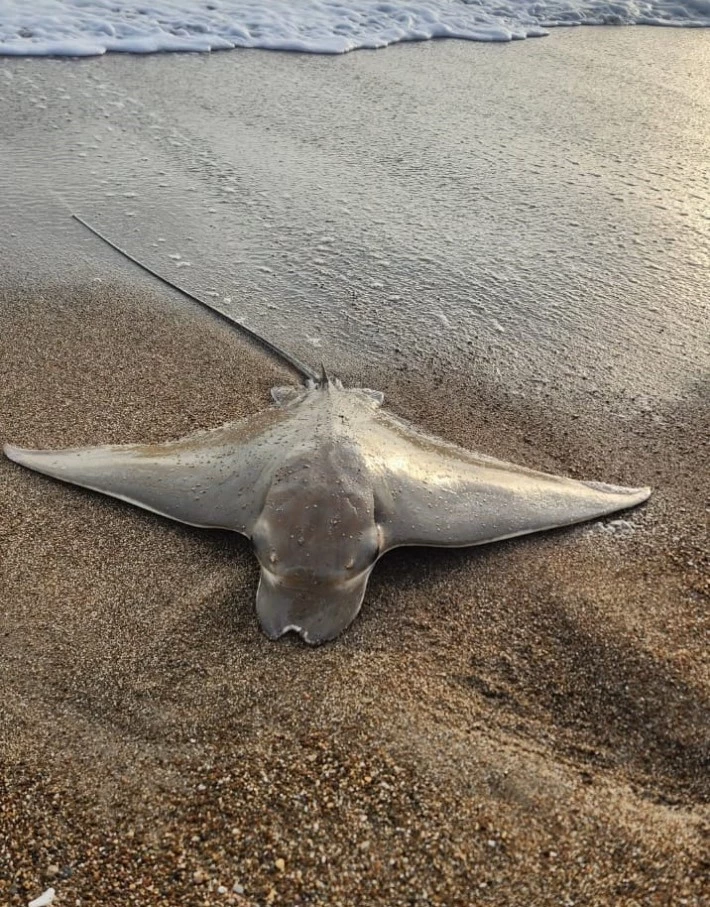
x=520, y=724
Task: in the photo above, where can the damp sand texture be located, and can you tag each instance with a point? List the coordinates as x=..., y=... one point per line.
x=521, y=723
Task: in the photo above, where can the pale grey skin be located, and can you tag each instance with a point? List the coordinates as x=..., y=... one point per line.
x=324, y=483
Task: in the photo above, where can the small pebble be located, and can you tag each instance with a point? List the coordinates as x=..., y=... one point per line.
x=44, y=900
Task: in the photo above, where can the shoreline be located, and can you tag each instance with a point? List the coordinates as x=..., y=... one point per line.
x=518, y=723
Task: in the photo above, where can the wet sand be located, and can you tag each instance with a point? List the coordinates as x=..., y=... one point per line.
x=519, y=724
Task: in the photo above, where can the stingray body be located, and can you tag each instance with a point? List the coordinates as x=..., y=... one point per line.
x=324, y=482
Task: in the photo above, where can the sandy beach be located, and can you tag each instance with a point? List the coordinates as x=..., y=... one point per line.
x=525, y=723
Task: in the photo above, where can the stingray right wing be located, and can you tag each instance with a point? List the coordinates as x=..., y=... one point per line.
x=214, y=479
x=434, y=493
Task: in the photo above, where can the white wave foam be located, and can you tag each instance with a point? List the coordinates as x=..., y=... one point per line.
x=88, y=27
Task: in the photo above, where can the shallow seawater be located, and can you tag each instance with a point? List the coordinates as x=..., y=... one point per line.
x=533, y=214
x=510, y=241
x=86, y=27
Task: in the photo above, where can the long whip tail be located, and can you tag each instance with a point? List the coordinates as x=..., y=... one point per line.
x=303, y=370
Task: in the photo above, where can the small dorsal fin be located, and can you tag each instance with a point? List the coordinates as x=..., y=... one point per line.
x=324, y=380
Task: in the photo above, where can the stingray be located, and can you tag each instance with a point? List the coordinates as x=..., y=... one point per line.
x=324, y=482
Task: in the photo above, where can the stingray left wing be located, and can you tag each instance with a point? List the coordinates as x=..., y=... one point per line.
x=430, y=492
x=213, y=479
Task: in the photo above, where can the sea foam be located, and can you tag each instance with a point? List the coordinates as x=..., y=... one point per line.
x=88, y=27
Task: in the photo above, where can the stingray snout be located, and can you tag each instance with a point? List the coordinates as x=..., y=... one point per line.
x=317, y=610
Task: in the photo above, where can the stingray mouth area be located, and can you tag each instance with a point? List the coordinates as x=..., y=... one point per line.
x=317, y=612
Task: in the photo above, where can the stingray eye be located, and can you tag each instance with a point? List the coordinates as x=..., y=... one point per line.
x=350, y=563
x=273, y=556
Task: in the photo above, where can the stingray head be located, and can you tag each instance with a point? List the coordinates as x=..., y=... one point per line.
x=317, y=542
x=318, y=610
